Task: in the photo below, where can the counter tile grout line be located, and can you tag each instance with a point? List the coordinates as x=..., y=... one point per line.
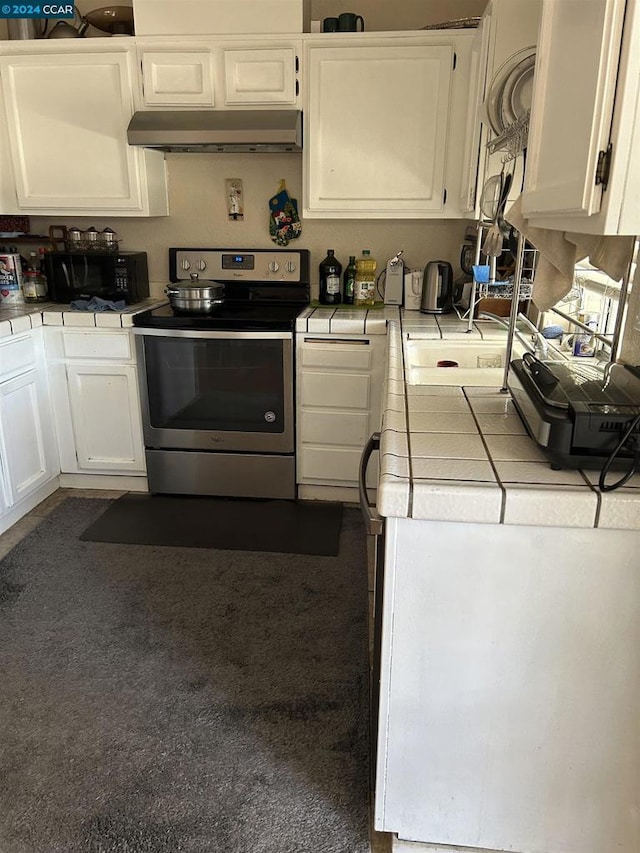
x=503, y=501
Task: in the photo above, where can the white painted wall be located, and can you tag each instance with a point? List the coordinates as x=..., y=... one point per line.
x=378, y=14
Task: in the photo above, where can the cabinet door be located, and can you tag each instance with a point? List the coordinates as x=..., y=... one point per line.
x=572, y=106
x=26, y=446
x=67, y=117
x=105, y=413
x=260, y=76
x=473, y=155
x=177, y=78
x=376, y=129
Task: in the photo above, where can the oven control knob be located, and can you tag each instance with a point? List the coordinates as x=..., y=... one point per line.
x=201, y=265
x=274, y=266
x=290, y=266
x=270, y=417
x=185, y=264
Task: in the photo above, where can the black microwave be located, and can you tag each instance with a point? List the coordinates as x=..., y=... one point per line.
x=110, y=275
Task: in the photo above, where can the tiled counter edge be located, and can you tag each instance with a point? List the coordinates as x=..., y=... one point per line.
x=14, y=321
x=451, y=453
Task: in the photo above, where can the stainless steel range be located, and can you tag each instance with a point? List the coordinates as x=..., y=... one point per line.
x=217, y=389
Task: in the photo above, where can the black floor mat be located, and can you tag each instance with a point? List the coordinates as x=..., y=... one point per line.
x=291, y=527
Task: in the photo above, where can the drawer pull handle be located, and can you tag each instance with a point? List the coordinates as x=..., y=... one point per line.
x=333, y=341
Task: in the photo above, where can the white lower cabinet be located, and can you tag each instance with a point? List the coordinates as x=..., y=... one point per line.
x=26, y=449
x=28, y=458
x=105, y=412
x=96, y=402
x=339, y=384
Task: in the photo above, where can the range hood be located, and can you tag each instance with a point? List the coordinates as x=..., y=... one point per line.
x=200, y=131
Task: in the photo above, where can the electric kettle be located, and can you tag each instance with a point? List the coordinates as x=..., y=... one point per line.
x=437, y=288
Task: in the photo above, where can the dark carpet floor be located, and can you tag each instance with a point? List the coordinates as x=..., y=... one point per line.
x=161, y=700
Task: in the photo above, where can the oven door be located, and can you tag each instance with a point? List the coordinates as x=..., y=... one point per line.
x=219, y=391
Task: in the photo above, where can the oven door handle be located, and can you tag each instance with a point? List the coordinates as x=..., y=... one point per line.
x=211, y=335
x=374, y=523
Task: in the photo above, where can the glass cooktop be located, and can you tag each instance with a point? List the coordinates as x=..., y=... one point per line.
x=231, y=316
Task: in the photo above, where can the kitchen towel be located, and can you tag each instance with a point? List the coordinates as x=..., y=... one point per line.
x=560, y=251
x=97, y=304
x=284, y=220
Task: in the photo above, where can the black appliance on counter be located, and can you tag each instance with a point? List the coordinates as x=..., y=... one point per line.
x=578, y=412
x=109, y=275
x=217, y=389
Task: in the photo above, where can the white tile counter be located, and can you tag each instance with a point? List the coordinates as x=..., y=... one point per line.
x=346, y=321
x=22, y=318
x=452, y=453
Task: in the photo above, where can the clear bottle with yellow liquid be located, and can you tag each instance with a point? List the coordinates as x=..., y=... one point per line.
x=364, y=289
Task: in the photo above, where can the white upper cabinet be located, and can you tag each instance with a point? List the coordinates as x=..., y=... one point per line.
x=219, y=75
x=173, y=78
x=384, y=126
x=67, y=111
x=582, y=165
x=506, y=37
x=260, y=76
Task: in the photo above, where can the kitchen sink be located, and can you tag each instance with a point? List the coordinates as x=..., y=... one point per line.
x=440, y=362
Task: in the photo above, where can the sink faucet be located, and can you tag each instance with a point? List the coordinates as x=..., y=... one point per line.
x=537, y=344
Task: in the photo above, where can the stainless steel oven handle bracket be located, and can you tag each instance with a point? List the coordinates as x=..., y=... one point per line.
x=373, y=522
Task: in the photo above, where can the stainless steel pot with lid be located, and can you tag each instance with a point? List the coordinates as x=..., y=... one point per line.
x=197, y=297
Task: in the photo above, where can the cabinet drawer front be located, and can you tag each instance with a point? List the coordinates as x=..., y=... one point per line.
x=336, y=390
x=178, y=78
x=329, y=463
x=355, y=356
x=345, y=428
x=17, y=355
x=97, y=345
x=341, y=465
x=259, y=76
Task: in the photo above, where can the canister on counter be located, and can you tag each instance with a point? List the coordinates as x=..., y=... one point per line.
x=10, y=280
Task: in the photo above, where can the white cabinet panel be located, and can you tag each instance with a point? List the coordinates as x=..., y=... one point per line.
x=25, y=447
x=509, y=688
x=17, y=354
x=337, y=464
x=566, y=189
x=260, y=76
x=97, y=344
x=339, y=387
x=354, y=356
x=177, y=78
x=350, y=391
x=67, y=115
x=572, y=105
x=345, y=428
x=105, y=412
x=376, y=128
x=81, y=106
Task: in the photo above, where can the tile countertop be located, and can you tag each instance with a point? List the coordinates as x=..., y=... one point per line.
x=451, y=453
x=22, y=318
